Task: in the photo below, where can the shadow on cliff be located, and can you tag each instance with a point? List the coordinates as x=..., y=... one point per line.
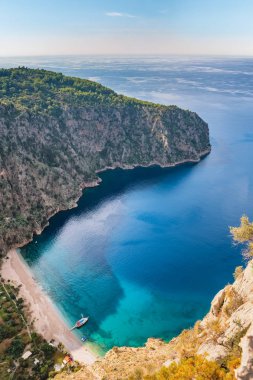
x=114, y=183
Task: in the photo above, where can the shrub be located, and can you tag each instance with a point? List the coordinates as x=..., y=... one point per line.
x=238, y=272
x=244, y=235
x=196, y=367
x=16, y=348
x=233, y=302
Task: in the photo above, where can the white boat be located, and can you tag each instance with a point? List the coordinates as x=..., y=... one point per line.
x=80, y=323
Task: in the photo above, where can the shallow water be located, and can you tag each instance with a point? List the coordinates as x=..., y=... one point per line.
x=145, y=252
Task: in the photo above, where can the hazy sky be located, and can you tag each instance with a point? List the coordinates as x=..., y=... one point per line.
x=38, y=27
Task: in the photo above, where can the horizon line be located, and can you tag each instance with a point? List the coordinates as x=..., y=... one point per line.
x=128, y=55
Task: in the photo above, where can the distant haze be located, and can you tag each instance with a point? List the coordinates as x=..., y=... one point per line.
x=126, y=27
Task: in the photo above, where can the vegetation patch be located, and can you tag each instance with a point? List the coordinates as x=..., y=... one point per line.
x=196, y=367
x=23, y=353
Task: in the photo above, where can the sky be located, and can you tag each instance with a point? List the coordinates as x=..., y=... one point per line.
x=59, y=27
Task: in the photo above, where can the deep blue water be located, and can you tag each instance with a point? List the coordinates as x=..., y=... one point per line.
x=145, y=252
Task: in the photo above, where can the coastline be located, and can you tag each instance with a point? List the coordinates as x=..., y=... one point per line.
x=96, y=182
x=46, y=320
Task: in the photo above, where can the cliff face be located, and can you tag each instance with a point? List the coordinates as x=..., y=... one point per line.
x=225, y=336
x=53, y=144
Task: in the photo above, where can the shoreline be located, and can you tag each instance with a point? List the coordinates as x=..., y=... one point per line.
x=96, y=182
x=45, y=317
x=42, y=314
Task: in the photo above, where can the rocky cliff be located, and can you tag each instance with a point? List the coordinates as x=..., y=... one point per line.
x=57, y=133
x=224, y=337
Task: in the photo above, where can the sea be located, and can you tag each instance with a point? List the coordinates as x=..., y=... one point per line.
x=145, y=252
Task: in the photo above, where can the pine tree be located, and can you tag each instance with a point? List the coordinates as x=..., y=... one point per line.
x=244, y=235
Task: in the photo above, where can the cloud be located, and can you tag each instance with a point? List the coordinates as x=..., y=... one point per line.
x=119, y=14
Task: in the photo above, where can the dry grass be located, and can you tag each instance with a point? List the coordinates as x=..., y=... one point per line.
x=4, y=345
x=233, y=301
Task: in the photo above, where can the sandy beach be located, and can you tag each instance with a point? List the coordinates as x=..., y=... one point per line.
x=46, y=319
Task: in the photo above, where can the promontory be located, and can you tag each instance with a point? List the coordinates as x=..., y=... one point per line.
x=58, y=132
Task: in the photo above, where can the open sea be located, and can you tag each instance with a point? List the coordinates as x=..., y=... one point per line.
x=145, y=252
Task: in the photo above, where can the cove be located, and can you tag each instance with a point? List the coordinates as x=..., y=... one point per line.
x=120, y=257
x=144, y=253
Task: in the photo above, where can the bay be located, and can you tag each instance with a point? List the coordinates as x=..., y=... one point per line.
x=145, y=252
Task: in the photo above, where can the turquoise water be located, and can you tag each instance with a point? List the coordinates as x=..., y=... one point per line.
x=145, y=252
